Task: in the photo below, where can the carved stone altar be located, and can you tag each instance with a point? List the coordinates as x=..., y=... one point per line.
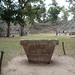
x=39, y=51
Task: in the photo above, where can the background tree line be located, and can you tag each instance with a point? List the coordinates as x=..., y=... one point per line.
x=22, y=11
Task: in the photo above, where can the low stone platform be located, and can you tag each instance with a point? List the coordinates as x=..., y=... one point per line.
x=39, y=51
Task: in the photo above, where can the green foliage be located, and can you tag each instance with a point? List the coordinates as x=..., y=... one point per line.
x=21, y=11
x=28, y=11
x=70, y=2
x=72, y=8
x=7, y=13
x=53, y=11
x=65, y=14
x=41, y=14
x=1, y=29
x=31, y=10
x=53, y=14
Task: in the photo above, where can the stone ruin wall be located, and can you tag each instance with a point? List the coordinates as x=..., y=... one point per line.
x=36, y=28
x=14, y=30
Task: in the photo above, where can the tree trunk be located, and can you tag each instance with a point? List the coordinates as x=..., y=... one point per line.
x=8, y=29
x=22, y=30
x=74, y=17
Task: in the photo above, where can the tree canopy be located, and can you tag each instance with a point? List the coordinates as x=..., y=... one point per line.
x=53, y=11
x=17, y=12
x=7, y=8
x=29, y=11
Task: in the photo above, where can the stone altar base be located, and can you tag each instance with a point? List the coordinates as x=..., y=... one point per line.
x=39, y=51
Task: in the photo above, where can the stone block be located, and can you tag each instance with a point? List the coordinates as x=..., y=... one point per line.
x=39, y=51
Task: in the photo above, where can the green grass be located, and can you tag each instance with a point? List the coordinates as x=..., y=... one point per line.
x=12, y=47
x=69, y=43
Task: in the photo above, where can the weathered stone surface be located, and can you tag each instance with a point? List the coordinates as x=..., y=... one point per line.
x=39, y=51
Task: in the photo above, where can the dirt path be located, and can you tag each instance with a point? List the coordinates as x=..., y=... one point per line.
x=60, y=65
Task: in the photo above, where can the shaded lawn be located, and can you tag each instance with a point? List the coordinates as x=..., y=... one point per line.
x=12, y=47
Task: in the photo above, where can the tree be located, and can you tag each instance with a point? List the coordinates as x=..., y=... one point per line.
x=7, y=13
x=19, y=11
x=1, y=30
x=53, y=11
x=70, y=2
x=40, y=14
x=65, y=14
x=72, y=10
x=29, y=10
x=72, y=7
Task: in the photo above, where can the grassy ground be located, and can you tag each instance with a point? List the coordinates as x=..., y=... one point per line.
x=12, y=48
x=69, y=43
